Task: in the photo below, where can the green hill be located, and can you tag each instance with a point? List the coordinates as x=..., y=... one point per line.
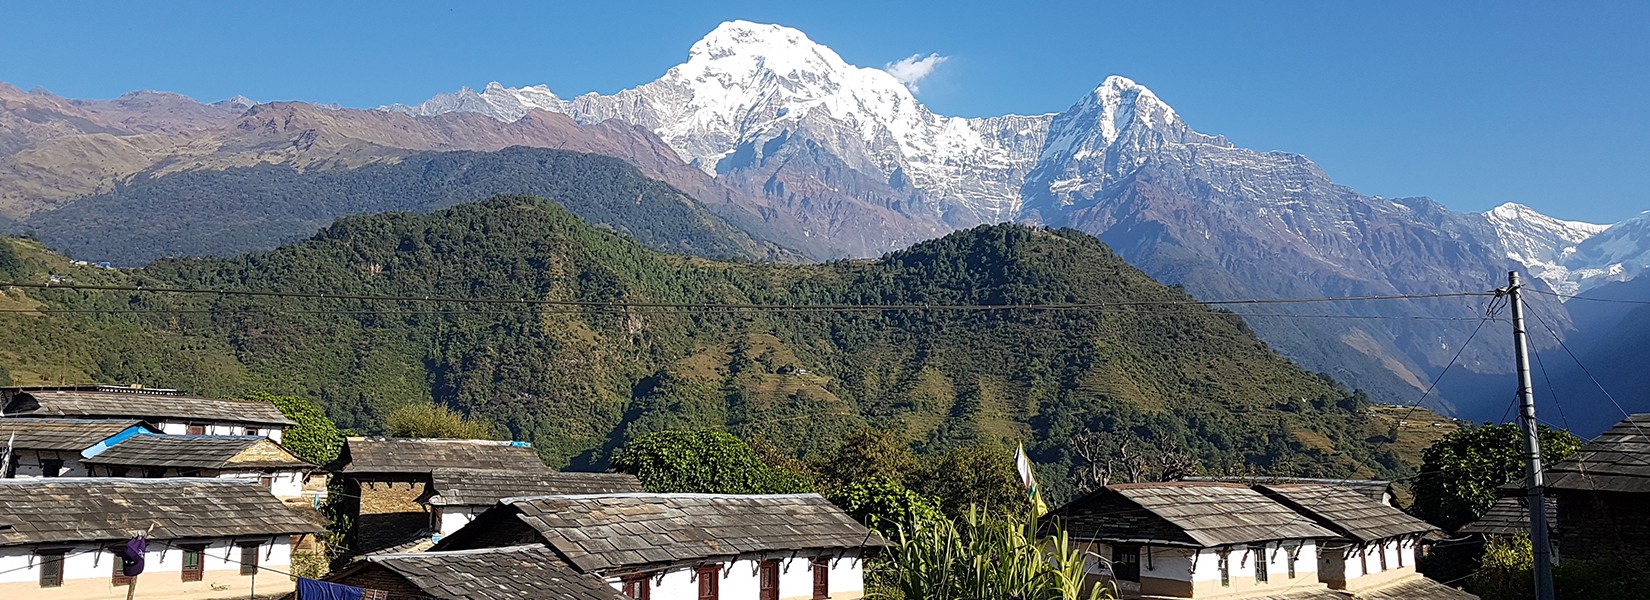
x=579, y=381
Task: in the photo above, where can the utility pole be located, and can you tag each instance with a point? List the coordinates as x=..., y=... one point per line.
x=1537, y=490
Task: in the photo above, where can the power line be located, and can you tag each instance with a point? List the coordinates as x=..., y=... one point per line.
x=1490, y=312
x=726, y=306
x=1588, y=298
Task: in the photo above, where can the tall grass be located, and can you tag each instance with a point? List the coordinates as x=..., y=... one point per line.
x=980, y=557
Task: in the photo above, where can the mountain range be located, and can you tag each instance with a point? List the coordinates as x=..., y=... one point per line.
x=778, y=137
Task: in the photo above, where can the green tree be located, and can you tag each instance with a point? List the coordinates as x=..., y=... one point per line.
x=1461, y=472
x=315, y=438
x=709, y=462
x=865, y=455
x=433, y=421
x=883, y=504
x=980, y=475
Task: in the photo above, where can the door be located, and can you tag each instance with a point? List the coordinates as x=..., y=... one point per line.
x=1125, y=562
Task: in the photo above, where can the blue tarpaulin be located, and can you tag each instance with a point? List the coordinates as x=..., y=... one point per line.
x=310, y=589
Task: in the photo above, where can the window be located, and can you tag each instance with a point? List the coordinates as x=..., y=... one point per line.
x=51, y=467
x=251, y=431
x=1260, y=562
x=822, y=578
x=1382, y=550
x=1223, y=564
x=1294, y=554
x=708, y=582
x=768, y=581
x=638, y=587
x=195, y=429
x=117, y=578
x=193, y=563
x=1363, y=559
x=249, y=559
x=267, y=480
x=1125, y=562
x=1400, y=554
x=51, y=567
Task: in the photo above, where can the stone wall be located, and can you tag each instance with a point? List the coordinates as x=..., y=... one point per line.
x=1603, y=525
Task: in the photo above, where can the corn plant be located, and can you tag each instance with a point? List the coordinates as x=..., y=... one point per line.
x=980, y=557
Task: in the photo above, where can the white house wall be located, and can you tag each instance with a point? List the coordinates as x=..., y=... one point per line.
x=29, y=464
x=218, y=428
x=88, y=570
x=741, y=579
x=455, y=517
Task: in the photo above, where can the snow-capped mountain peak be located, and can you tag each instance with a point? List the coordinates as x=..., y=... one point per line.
x=1544, y=245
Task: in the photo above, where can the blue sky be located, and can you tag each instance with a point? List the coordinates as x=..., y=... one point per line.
x=1472, y=103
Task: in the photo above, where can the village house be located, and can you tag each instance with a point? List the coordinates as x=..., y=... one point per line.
x=456, y=496
x=706, y=546
x=206, y=538
x=1603, y=495
x=1376, y=547
x=1195, y=540
x=167, y=411
x=47, y=447
x=526, y=572
x=386, y=483
x=1509, y=517
x=253, y=458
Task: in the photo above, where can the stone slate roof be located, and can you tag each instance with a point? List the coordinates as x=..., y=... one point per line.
x=422, y=456
x=1374, y=489
x=198, y=452
x=61, y=434
x=510, y=573
x=1186, y=514
x=71, y=509
x=1347, y=512
x=597, y=533
x=114, y=402
x=1618, y=460
x=476, y=487
x=1509, y=516
x=1413, y=588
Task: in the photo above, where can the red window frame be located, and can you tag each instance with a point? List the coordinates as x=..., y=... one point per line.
x=768, y=580
x=197, y=553
x=822, y=577
x=193, y=429
x=710, y=582
x=638, y=587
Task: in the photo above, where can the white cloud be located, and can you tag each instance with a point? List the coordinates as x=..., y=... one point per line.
x=913, y=69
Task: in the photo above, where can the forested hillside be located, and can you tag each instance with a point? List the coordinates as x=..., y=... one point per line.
x=241, y=209
x=578, y=381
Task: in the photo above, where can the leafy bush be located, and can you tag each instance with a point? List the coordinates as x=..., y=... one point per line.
x=708, y=462
x=979, y=475
x=432, y=421
x=315, y=438
x=883, y=504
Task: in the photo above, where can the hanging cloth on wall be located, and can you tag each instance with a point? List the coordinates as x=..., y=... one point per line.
x=131, y=557
x=310, y=589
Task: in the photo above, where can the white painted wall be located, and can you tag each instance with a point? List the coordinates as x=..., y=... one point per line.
x=19, y=564
x=28, y=464
x=454, y=517
x=740, y=579
x=1395, y=551
x=1241, y=563
x=173, y=427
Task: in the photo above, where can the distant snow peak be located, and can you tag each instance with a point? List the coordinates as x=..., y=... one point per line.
x=1548, y=247
x=913, y=69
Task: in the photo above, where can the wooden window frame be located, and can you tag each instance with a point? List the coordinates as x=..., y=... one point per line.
x=117, y=578
x=51, y=467
x=250, y=431
x=194, y=429
x=1120, y=554
x=710, y=584
x=767, y=580
x=51, y=567
x=249, y=550
x=821, y=567
x=637, y=587
x=1223, y=563
x=199, y=553
x=1261, y=564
